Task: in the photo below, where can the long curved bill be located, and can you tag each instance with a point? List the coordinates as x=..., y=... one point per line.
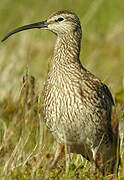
x=42, y=24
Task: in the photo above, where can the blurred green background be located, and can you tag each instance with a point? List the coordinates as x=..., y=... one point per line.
x=102, y=45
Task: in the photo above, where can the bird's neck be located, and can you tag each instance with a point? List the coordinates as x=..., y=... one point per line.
x=67, y=49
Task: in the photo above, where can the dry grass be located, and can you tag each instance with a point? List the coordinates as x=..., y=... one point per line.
x=26, y=147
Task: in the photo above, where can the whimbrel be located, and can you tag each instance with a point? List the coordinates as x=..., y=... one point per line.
x=77, y=105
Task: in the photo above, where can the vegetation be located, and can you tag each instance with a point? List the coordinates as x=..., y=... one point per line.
x=26, y=147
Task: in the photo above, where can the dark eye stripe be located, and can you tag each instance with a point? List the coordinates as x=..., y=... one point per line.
x=59, y=19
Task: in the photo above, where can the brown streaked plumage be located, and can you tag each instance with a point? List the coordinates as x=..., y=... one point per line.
x=77, y=105
x=61, y=12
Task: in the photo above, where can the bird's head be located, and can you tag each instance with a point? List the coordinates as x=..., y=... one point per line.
x=63, y=22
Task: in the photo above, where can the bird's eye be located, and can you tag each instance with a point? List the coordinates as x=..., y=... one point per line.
x=59, y=19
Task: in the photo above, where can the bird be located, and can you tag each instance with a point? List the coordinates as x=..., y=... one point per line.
x=77, y=105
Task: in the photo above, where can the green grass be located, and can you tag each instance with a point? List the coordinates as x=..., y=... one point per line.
x=26, y=147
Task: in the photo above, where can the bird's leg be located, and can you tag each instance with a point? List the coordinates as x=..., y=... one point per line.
x=67, y=157
x=58, y=153
x=94, y=160
x=98, y=156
